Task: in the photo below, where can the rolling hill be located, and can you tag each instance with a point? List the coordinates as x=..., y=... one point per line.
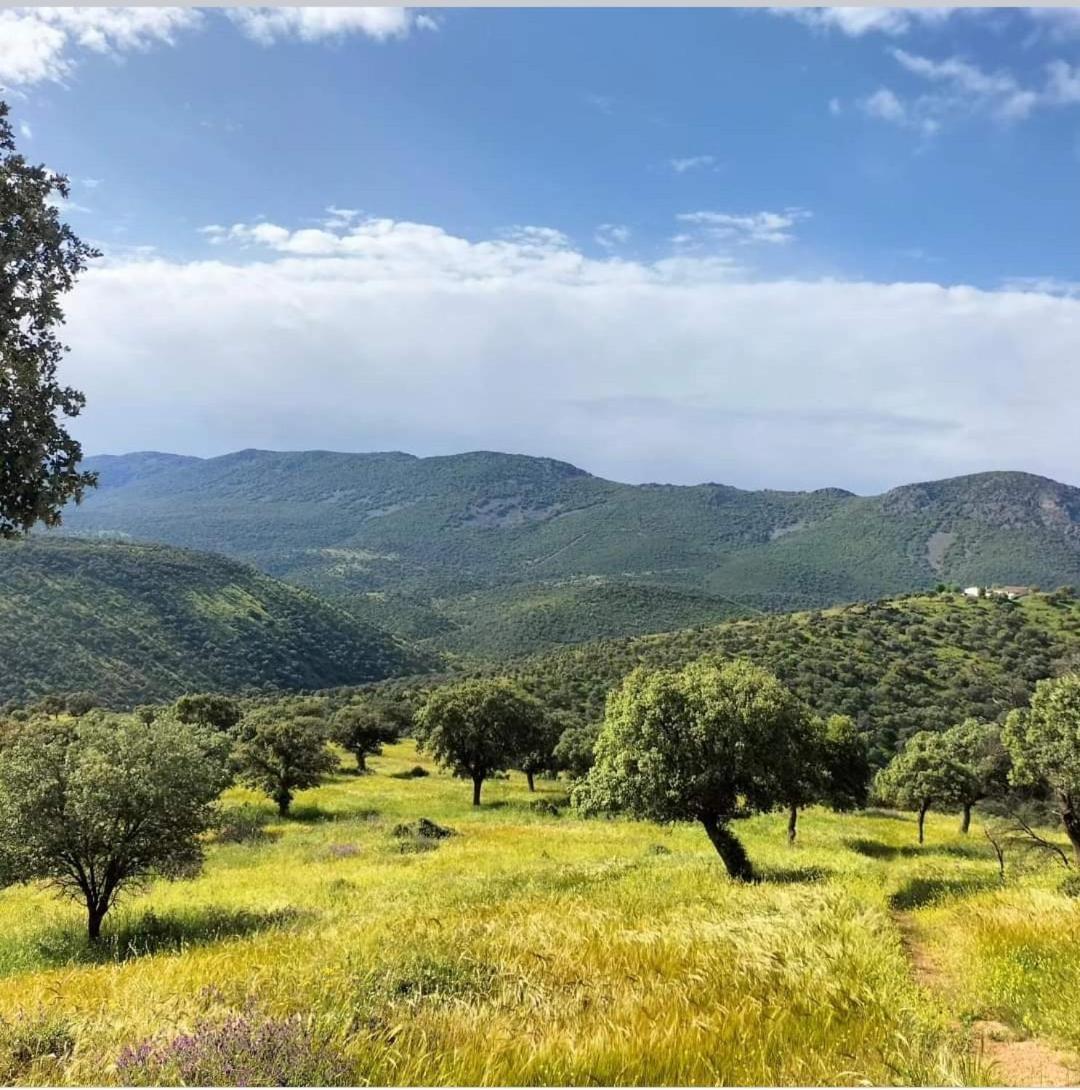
x=134, y=623
x=488, y=553
x=916, y=662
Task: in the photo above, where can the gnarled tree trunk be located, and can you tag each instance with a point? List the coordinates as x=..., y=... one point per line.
x=729, y=849
x=922, y=821
x=792, y=823
x=529, y=781
x=1070, y=818
x=965, y=821
x=477, y=782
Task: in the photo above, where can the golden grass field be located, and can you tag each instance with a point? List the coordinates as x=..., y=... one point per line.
x=534, y=948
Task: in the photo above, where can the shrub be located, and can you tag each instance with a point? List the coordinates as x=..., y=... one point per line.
x=244, y=1050
x=1071, y=886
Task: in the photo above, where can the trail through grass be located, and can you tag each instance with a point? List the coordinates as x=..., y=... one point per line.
x=534, y=948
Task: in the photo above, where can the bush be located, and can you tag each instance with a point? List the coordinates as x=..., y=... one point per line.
x=414, y=773
x=420, y=836
x=244, y=1050
x=1071, y=886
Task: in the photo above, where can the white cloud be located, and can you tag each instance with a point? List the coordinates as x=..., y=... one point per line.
x=408, y=337
x=25, y=131
x=41, y=44
x=747, y=228
x=835, y=107
x=964, y=89
x=691, y=162
x=312, y=24
x=90, y=183
x=857, y=21
x=612, y=235
x=884, y=104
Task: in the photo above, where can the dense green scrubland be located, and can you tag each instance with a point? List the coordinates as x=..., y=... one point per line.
x=898, y=666
x=531, y=947
x=133, y=623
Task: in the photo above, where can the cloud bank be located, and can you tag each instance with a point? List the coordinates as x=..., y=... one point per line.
x=405, y=336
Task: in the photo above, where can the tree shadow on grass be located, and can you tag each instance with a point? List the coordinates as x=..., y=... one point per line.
x=873, y=849
x=311, y=814
x=918, y=892
x=785, y=876
x=131, y=936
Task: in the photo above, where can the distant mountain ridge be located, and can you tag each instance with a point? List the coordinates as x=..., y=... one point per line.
x=487, y=553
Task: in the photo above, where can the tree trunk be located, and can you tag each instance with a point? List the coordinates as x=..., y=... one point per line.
x=792, y=823
x=1070, y=818
x=94, y=916
x=965, y=821
x=283, y=798
x=361, y=761
x=922, y=821
x=529, y=780
x=729, y=849
x=476, y=783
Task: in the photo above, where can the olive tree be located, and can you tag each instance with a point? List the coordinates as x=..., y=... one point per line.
x=281, y=750
x=40, y=259
x=708, y=743
x=1044, y=743
x=923, y=774
x=477, y=728
x=97, y=805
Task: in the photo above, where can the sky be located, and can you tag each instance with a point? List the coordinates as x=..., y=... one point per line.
x=784, y=248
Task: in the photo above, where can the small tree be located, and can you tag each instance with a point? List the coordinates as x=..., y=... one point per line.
x=281, y=752
x=1044, y=743
x=977, y=750
x=540, y=757
x=208, y=710
x=101, y=804
x=830, y=764
x=40, y=259
x=363, y=729
x=922, y=775
x=477, y=728
x=698, y=744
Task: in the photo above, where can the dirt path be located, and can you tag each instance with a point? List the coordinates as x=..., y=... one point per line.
x=1013, y=1059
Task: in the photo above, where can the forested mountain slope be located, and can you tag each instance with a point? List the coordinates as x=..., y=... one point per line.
x=134, y=623
x=921, y=662
x=497, y=554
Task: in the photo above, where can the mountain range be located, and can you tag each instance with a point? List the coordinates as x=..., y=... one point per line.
x=489, y=554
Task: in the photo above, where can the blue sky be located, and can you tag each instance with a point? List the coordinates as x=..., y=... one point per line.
x=794, y=249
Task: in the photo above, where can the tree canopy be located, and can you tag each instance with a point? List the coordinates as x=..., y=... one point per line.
x=99, y=804
x=478, y=728
x=707, y=743
x=1044, y=743
x=282, y=749
x=40, y=259
x=923, y=774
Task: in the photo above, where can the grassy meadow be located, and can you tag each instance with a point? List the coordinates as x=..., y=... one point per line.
x=534, y=948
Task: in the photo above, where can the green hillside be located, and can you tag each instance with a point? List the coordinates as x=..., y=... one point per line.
x=897, y=666
x=496, y=554
x=136, y=623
